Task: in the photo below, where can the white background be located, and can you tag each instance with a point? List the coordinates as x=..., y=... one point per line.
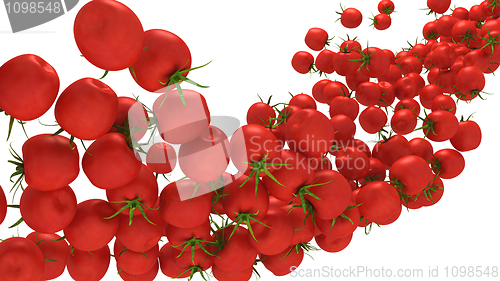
x=251, y=44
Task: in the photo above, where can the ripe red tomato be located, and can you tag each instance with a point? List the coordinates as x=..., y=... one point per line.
x=85, y=265
x=110, y=163
x=410, y=104
x=340, y=227
x=441, y=125
x=161, y=158
x=276, y=237
x=135, y=262
x=148, y=276
x=317, y=90
x=86, y=109
x=470, y=81
x=283, y=263
x=403, y=121
x=390, y=150
x=347, y=61
x=406, y=88
x=422, y=148
x=379, y=201
x=168, y=265
x=375, y=62
x=439, y=6
x=332, y=245
x=449, y=163
x=89, y=230
x=28, y=87
x=368, y=93
x=303, y=224
x=411, y=174
x=179, y=123
x=49, y=162
x=385, y=7
x=324, y=61
x=344, y=129
x=3, y=205
x=372, y=119
x=303, y=101
x=382, y=21
x=48, y=211
x=162, y=55
x=302, y=62
x=20, y=260
x=130, y=119
x=260, y=114
x=351, y=18
x=355, y=79
x=429, y=31
x=352, y=163
x=310, y=133
x=184, y=204
x=428, y=93
x=388, y=92
x=248, y=198
x=52, y=250
x=460, y=13
x=344, y=105
x=444, y=102
x=237, y=254
x=141, y=235
x=109, y=34
x=205, y=158
x=179, y=236
x=392, y=75
x=316, y=38
x=468, y=136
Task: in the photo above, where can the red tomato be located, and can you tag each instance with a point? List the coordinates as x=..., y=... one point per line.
x=223, y=275
x=317, y=90
x=162, y=55
x=443, y=57
x=410, y=104
x=448, y=164
x=406, y=88
x=392, y=75
x=352, y=163
x=148, y=276
x=439, y=6
x=135, y=262
x=205, y=158
x=295, y=172
x=468, y=136
x=377, y=171
x=351, y=18
x=368, y=93
x=52, y=250
x=303, y=101
x=283, y=263
x=403, y=121
x=130, y=119
x=168, y=265
x=441, y=125
x=332, y=245
x=141, y=235
x=428, y=93
x=372, y=119
x=302, y=62
x=410, y=64
x=334, y=89
x=89, y=230
x=3, y=205
x=375, y=62
x=310, y=133
x=465, y=32
x=161, y=158
x=470, y=81
x=335, y=191
x=109, y=34
x=179, y=123
x=379, y=201
x=110, y=153
x=49, y=162
x=85, y=265
x=250, y=144
x=197, y=260
x=390, y=150
x=422, y=148
x=385, y=7
x=316, y=38
x=420, y=51
x=237, y=254
x=28, y=87
x=260, y=114
x=434, y=192
x=411, y=174
x=324, y=61
x=388, y=93
x=276, y=237
x=285, y=114
x=20, y=260
x=429, y=31
x=355, y=79
x=344, y=129
x=48, y=211
x=184, y=206
x=444, y=102
x=381, y=21
x=478, y=13
x=303, y=224
x=179, y=237
x=341, y=226
x=347, y=62
x=141, y=191
x=460, y=13
x=86, y=109
x=344, y=105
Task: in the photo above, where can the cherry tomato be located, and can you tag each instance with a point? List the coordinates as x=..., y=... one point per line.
x=302, y=62
x=411, y=174
x=355, y=79
x=368, y=93
x=135, y=262
x=449, y=163
x=444, y=102
x=422, y=148
x=341, y=226
x=141, y=235
x=28, y=87
x=109, y=34
x=344, y=129
x=283, y=263
x=20, y=260
x=385, y=7
x=224, y=275
x=410, y=104
x=161, y=158
x=316, y=38
x=332, y=245
x=388, y=93
x=428, y=93
x=334, y=89
x=390, y=150
x=372, y=119
x=440, y=125
x=344, y=105
x=379, y=201
x=468, y=136
x=382, y=21
x=260, y=114
x=276, y=236
x=86, y=109
x=85, y=265
x=403, y=121
x=237, y=254
x=162, y=55
x=375, y=62
x=324, y=61
x=439, y=6
x=53, y=249
x=351, y=18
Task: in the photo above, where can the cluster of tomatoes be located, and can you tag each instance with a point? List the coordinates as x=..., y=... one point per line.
x=302, y=174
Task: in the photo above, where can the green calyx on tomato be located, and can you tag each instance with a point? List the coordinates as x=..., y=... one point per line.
x=177, y=77
x=428, y=124
x=243, y=217
x=343, y=215
x=192, y=243
x=306, y=247
x=261, y=167
x=18, y=161
x=132, y=204
x=306, y=206
x=11, y=124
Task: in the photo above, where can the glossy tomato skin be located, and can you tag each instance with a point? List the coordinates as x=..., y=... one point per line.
x=133, y=112
x=445, y=125
x=182, y=207
x=422, y=148
x=342, y=227
x=385, y=7
x=273, y=240
x=335, y=191
x=108, y=34
x=20, y=260
x=428, y=93
x=303, y=101
x=148, y=276
x=179, y=123
x=316, y=38
x=49, y=162
x=163, y=54
x=403, y=121
x=205, y=158
x=382, y=21
x=310, y=133
x=351, y=18
x=372, y=119
x=135, y=262
x=168, y=266
x=468, y=136
x=324, y=61
x=391, y=150
x=412, y=174
x=244, y=199
x=52, y=250
x=161, y=158
x=449, y=163
x=282, y=264
x=177, y=236
x=223, y=275
x=110, y=163
x=141, y=235
x=344, y=105
x=302, y=62
x=85, y=265
x=352, y=163
x=86, y=109
x=143, y=186
x=377, y=62
x=3, y=205
x=260, y=114
x=368, y=93
x=237, y=253
x=28, y=87
x=380, y=201
x=48, y=211
x=332, y=245
x=89, y=230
